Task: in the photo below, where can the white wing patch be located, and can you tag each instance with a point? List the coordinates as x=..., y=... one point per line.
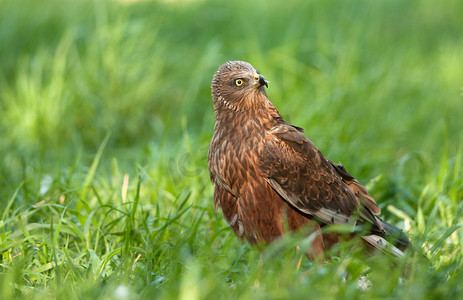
x=332, y=217
x=326, y=215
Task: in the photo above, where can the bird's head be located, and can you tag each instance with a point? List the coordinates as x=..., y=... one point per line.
x=238, y=86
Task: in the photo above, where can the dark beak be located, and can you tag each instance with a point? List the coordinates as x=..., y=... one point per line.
x=262, y=81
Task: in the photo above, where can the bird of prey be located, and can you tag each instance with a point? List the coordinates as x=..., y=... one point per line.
x=268, y=176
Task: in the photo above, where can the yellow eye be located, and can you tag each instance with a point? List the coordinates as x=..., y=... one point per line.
x=239, y=82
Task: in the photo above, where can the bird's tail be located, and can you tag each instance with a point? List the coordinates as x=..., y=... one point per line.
x=388, y=238
x=395, y=235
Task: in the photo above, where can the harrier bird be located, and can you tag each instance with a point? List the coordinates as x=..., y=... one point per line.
x=268, y=174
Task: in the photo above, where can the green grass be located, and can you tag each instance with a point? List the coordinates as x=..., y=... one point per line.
x=106, y=116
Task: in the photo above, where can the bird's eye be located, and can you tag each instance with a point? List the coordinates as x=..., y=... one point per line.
x=239, y=82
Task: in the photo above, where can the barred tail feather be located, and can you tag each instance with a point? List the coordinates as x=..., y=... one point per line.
x=381, y=244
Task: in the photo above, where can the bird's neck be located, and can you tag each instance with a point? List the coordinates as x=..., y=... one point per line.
x=265, y=115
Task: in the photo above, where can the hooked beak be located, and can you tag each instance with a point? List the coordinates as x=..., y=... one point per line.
x=262, y=81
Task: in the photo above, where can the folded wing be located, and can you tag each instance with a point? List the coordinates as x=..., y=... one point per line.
x=311, y=183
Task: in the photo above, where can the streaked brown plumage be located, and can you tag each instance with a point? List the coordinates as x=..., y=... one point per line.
x=267, y=173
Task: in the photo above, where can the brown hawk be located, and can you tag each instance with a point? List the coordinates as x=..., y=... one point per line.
x=268, y=174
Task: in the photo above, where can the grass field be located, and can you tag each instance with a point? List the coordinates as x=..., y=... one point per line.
x=106, y=116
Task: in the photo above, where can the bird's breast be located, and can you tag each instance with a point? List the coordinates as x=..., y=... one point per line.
x=234, y=156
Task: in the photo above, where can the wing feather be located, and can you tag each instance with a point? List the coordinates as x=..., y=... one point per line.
x=311, y=183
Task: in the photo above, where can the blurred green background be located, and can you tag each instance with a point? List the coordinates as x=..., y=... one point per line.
x=376, y=84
